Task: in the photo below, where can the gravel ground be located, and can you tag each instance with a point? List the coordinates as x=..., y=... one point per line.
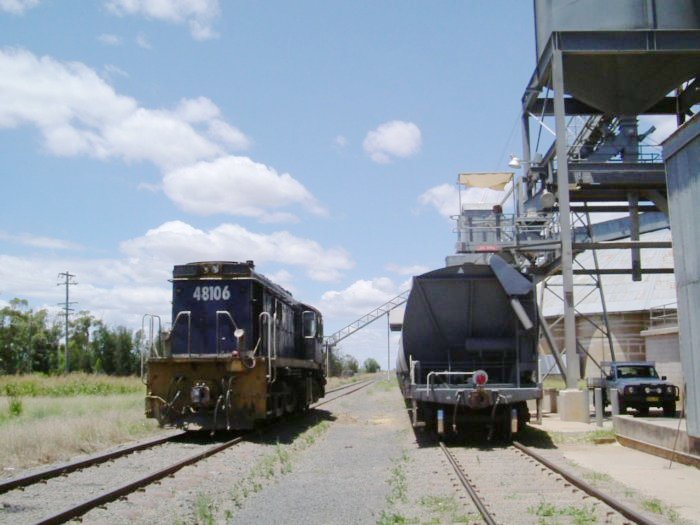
x=354, y=460
x=519, y=490
x=368, y=469
x=30, y=504
x=652, y=507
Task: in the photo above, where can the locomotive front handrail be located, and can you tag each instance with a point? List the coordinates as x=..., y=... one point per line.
x=189, y=328
x=271, y=345
x=151, y=343
x=233, y=322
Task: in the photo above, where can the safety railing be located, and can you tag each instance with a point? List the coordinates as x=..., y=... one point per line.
x=664, y=315
x=226, y=315
x=271, y=342
x=151, y=343
x=188, y=315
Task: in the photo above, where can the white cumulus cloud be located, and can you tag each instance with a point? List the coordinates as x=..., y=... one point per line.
x=359, y=298
x=79, y=114
x=236, y=186
x=199, y=15
x=177, y=241
x=17, y=7
x=395, y=139
x=444, y=198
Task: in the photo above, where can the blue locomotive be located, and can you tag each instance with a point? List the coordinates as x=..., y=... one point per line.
x=241, y=349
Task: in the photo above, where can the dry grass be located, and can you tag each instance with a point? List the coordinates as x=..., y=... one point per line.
x=57, y=429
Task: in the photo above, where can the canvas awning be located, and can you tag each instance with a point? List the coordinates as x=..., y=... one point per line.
x=493, y=181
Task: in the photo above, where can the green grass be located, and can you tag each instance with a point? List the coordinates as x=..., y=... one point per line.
x=77, y=384
x=385, y=385
x=204, y=510
x=597, y=477
x=582, y=515
x=658, y=507
x=582, y=437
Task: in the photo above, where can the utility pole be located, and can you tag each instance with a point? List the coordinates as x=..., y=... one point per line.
x=68, y=281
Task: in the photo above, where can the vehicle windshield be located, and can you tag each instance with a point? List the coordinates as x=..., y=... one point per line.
x=637, y=371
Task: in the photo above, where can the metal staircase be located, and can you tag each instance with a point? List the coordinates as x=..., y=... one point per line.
x=332, y=340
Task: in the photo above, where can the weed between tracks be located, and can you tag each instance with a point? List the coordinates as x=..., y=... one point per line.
x=277, y=463
x=549, y=513
x=439, y=509
x=658, y=507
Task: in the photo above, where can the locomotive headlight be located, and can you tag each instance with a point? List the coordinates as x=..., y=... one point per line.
x=647, y=390
x=199, y=394
x=214, y=268
x=630, y=389
x=669, y=390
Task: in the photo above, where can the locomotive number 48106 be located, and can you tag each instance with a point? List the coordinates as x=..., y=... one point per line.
x=211, y=293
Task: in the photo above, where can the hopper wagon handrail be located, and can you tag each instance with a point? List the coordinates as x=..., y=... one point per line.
x=445, y=373
x=366, y=319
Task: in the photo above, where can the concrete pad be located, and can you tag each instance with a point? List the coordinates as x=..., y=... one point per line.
x=648, y=474
x=573, y=405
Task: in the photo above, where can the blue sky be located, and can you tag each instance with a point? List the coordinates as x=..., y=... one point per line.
x=320, y=138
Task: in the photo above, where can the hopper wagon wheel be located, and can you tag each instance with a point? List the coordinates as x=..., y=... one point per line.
x=505, y=424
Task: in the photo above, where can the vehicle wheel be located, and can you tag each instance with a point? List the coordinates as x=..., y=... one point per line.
x=623, y=408
x=670, y=409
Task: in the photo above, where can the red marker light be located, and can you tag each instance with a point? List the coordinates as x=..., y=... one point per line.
x=480, y=377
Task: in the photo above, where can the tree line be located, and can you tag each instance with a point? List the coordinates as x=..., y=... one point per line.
x=31, y=341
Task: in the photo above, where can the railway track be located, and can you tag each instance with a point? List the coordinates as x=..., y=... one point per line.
x=515, y=484
x=108, y=491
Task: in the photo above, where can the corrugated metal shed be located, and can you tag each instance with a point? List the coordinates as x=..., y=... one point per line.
x=621, y=293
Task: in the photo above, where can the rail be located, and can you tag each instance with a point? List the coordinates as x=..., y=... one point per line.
x=586, y=487
x=125, y=489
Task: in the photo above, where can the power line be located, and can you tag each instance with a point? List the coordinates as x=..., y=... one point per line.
x=68, y=281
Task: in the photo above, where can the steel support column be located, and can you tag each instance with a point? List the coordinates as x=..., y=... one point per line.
x=573, y=373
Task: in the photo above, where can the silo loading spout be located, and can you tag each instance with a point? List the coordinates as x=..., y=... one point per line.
x=514, y=284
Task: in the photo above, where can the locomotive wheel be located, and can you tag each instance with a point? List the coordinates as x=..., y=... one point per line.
x=291, y=398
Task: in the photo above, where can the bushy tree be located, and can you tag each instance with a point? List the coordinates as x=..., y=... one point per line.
x=31, y=342
x=28, y=342
x=371, y=366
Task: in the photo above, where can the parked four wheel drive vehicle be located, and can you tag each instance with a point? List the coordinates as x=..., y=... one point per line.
x=638, y=386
